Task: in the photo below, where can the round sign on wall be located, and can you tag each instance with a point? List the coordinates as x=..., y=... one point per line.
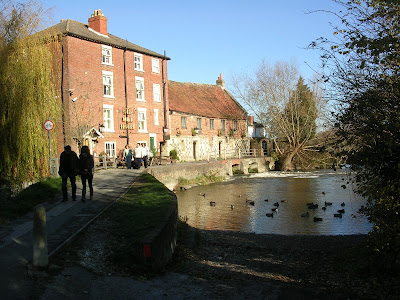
x=48, y=125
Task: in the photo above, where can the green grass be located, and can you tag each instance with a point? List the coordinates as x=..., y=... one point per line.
x=42, y=191
x=136, y=214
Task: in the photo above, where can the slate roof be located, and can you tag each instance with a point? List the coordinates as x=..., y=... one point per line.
x=80, y=30
x=204, y=100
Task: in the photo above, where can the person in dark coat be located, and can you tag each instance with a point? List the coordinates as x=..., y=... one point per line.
x=69, y=168
x=86, y=169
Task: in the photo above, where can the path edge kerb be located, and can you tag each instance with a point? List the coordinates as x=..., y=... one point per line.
x=72, y=236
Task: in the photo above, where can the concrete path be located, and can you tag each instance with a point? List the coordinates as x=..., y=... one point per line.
x=64, y=219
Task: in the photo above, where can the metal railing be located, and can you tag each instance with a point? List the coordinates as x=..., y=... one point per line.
x=235, y=153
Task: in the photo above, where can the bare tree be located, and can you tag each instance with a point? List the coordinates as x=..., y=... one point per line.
x=286, y=106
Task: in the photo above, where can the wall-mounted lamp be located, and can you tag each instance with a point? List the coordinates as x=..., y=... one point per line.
x=101, y=127
x=76, y=98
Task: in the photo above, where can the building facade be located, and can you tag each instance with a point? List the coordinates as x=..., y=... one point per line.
x=113, y=92
x=206, y=121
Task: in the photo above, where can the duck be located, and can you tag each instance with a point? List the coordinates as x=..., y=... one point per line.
x=343, y=204
x=202, y=194
x=317, y=219
x=232, y=206
x=284, y=201
x=266, y=200
x=324, y=208
x=328, y=203
x=275, y=209
x=212, y=203
x=337, y=215
x=323, y=193
x=312, y=206
x=250, y=202
x=276, y=204
x=305, y=215
x=341, y=211
x=270, y=215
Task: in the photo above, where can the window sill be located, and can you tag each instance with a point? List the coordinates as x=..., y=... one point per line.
x=108, y=130
x=140, y=100
x=138, y=70
x=105, y=64
x=108, y=97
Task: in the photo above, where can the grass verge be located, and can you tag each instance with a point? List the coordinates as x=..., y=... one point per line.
x=136, y=214
x=42, y=191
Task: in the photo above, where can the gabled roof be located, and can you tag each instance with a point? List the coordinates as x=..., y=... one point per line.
x=82, y=31
x=205, y=100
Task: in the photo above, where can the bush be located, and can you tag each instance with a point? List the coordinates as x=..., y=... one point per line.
x=174, y=154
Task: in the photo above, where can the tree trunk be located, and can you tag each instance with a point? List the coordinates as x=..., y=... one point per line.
x=287, y=164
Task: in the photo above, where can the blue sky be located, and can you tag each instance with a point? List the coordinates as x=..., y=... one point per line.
x=206, y=38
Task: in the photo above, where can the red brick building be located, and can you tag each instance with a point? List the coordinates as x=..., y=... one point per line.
x=205, y=120
x=113, y=92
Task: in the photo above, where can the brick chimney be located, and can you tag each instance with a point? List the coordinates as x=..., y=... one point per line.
x=98, y=22
x=221, y=81
x=250, y=119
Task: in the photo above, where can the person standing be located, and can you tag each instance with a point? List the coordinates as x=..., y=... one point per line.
x=86, y=167
x=128, y=159
x=146, y=153
x=138, y=156
x=69, y=168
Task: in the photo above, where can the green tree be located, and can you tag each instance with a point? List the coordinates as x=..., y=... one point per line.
x=27, y=89
x=286, y=107
x=362, y=66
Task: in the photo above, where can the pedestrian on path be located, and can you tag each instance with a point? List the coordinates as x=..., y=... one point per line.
x=146, y=153
x=69, y=168
x=86, y=169
x=138, y=156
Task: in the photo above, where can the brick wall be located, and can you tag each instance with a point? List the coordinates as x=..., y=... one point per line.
x=83, y=72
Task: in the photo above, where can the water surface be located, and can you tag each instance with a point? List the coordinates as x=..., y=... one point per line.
x=291, y=190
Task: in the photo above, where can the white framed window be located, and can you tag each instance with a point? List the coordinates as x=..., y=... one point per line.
x=106, y=54
x=183, y=122
x=138, y=62
x=235, y=125
x=155, y=65
x=211, y=123
x=108, y=118
x=139, y=82
x=110, y=149
x=142, y=123
x=156, y=92
x=156, y=122
x=108, y=89
x=198, y=123
x=223, y=124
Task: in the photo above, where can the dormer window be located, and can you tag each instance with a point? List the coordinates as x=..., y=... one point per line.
x=138, y=62
x=107, y=55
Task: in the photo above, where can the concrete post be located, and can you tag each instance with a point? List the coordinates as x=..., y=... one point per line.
x=40, y=251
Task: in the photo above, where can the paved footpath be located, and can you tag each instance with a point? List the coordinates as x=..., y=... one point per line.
x=64, y=219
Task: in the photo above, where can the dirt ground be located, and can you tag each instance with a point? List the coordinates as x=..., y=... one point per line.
x=221, y=264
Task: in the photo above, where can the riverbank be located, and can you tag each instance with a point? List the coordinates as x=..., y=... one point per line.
x=224, y=264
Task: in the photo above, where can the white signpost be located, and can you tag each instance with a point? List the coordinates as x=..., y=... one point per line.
x=49, y=125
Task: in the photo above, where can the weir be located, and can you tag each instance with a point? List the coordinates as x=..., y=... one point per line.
x=170, y=174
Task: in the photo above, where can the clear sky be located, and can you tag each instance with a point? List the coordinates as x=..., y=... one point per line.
x=204, y=38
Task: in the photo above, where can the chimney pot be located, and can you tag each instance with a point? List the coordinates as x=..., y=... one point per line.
x=221, y=81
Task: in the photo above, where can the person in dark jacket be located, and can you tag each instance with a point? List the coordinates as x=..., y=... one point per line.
x=86, y=167
x=69, y=168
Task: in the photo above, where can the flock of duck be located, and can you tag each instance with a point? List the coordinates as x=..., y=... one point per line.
x=310, y=206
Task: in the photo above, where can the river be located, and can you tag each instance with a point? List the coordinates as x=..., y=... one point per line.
x=291, y=190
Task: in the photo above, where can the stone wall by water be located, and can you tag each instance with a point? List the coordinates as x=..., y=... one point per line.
x=169, y=175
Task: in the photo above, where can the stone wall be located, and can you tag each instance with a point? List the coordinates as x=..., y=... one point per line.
x=169, y=175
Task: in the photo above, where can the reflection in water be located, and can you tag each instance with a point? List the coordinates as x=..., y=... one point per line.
x=291, y=190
